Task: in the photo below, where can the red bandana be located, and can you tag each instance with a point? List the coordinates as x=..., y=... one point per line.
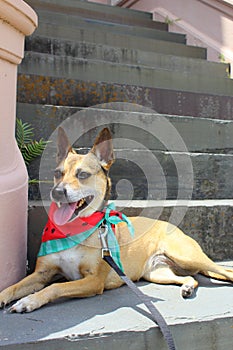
x=77, y=226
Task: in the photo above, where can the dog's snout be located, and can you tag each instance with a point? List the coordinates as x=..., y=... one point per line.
x=59, y=193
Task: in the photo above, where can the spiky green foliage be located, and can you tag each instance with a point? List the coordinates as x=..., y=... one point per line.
x=29, y=148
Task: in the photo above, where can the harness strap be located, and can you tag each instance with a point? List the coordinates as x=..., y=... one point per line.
x=156, y=315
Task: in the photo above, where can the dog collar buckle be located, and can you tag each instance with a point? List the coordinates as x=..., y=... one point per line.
x=103, y=231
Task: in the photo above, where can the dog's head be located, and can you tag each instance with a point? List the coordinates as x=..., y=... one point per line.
x=81, y=182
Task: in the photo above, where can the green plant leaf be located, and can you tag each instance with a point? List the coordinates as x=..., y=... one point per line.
x=29, y=148
x=32, y=150
x=33, y=181
x=24, y=133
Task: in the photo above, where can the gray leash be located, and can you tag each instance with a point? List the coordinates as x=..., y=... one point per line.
x=156, y=315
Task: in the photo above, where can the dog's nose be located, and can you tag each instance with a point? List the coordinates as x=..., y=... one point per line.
x=59, y=193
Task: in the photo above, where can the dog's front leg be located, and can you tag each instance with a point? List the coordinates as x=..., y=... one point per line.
x=27, y=286
x=86, y=287
x=30, y=284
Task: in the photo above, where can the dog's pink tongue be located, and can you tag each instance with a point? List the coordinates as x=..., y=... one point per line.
x=64, y=213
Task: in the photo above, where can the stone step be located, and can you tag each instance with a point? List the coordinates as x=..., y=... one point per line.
x=108, y=53
x=69, y=92
x=74, y=23
x=117, y=319
x=71, y=6
x=148, y=174
x=200, y=135
x=107, y=17
x=151, y=153
x=209, y=222
x=167, y=171
x=143, y=19
x=108, y=72
x=120, y=40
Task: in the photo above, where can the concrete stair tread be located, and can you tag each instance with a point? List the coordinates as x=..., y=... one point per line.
x=114, y=54
x=77, y=18
x=72, y=24
x=119, y=40
x=127, y=17
x=108, y=72
x=138, y=204
x=55, y=5
x=96, y=324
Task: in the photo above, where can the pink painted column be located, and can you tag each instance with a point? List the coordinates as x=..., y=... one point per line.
x=17, y=19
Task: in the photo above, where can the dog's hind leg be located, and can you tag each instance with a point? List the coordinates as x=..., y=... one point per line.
x=217, y=275
x=165, y=275
x=204, y=265
x=186, y=253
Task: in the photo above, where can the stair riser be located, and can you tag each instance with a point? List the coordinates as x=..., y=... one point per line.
x=210, y=226
x=138, y=174
x=70, y=92
x=198, y=134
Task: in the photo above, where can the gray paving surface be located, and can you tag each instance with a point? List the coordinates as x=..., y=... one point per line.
x=118, y=319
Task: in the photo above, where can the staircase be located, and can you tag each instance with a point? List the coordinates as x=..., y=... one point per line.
x=113, y=60
x=170, y=112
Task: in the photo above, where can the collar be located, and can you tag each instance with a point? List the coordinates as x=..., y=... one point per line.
x=56, y=238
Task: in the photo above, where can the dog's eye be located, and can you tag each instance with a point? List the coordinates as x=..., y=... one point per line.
x=58, y=174
x=83, y=175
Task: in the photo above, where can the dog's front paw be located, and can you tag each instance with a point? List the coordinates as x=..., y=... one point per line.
x=26, y=304
x=5, y=298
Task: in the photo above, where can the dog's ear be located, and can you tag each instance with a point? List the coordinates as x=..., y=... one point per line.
x=63, y=145
x=103, y=148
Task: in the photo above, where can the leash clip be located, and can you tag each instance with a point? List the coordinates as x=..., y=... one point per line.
x=103, y=231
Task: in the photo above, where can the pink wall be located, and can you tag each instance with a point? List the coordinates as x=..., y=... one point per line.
x=17, y=19
x=105, y=2
x=207, y=23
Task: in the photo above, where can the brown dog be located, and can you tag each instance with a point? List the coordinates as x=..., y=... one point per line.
x=159, y=252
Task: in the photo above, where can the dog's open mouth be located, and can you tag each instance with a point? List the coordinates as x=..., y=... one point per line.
x=68, y=211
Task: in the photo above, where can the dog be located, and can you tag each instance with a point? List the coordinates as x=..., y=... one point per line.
x=158, y=252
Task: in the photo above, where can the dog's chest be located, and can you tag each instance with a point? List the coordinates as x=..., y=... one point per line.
x=68, y=262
